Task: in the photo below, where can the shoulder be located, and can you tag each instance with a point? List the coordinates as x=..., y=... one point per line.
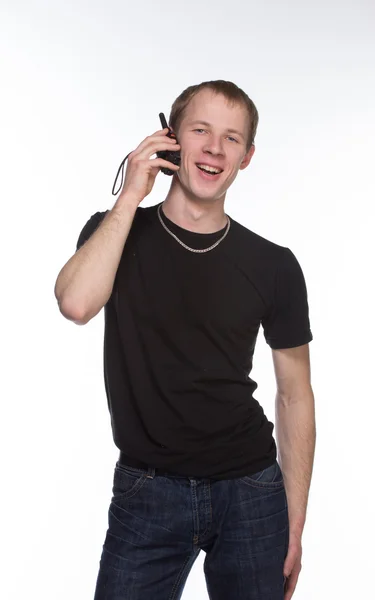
x=148, y=213
x=252, y=244
x=269, y=262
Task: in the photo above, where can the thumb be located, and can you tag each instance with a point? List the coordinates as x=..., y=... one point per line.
x=289, y=563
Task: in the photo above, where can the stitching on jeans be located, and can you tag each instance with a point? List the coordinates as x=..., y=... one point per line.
x=179, y=578
x=272, y=485
x=263, y=484
x=139, y=483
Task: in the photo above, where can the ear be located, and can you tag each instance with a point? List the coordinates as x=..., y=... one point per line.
x=247, y=158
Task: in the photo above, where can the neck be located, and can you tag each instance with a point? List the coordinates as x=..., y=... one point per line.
x=194, y=214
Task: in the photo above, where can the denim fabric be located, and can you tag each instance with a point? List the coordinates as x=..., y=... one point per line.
x=158, y=523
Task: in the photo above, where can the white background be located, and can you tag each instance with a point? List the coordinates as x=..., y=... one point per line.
x=82, y=84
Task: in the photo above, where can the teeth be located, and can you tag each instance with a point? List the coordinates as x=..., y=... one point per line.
x=209, y=169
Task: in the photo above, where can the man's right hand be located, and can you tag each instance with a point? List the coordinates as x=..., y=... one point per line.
x=141, y=170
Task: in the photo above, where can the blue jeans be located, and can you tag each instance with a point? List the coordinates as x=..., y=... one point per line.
x=158, y=524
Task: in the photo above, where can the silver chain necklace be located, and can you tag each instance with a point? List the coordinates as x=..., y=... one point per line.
x=184, y=245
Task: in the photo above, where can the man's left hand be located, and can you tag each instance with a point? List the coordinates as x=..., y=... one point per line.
x=292, y=565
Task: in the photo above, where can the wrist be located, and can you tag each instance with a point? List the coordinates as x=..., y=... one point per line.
x=296, y=526
x=127, y=201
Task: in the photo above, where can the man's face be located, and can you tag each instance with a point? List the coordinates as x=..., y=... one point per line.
x=212, y=133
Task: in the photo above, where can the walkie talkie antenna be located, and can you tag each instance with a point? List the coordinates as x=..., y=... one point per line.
x=163, y=120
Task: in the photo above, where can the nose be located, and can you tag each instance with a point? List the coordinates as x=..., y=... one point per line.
x=214, y=145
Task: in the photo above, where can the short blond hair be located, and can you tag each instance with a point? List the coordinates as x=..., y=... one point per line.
x=230, y=91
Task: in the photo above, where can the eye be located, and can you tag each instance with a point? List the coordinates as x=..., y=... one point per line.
x=229, y=136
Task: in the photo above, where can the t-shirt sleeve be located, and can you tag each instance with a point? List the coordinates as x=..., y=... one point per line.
x=287, y=323
x=91, y=225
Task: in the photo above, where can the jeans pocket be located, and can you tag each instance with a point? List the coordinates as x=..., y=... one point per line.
x=127, y=481
x=269, y=478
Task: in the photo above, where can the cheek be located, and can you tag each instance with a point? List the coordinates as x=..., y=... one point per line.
x=188, y=160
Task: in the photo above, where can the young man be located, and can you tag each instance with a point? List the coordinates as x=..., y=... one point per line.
x=185, y=290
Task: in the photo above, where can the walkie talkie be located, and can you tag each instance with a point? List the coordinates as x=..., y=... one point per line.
x=172, y=156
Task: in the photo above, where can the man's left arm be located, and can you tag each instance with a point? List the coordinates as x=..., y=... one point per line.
x=296, y=435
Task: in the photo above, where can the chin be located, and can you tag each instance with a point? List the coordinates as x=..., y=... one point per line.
x=206, y=193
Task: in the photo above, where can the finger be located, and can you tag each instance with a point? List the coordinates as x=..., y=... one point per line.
x=289, y=562
x=160, y=162
x=160, y=131
x=150, y=147
x=291, y=557
x=291, y=583
x=158, y=135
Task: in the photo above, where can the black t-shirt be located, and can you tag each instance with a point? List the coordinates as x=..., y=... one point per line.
x=180, y=332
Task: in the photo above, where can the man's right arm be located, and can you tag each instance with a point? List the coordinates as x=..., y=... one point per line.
x=84, y=285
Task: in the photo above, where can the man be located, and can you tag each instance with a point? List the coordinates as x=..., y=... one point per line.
x=185, y=289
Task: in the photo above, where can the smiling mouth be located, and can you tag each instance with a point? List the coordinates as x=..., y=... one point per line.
x=209, y=173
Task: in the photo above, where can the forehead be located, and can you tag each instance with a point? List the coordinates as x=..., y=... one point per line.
x=215, y=108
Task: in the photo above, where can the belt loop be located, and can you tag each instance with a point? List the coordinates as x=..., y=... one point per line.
x=151, y=472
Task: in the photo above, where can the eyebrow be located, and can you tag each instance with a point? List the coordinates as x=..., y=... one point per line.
x=209, y=125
